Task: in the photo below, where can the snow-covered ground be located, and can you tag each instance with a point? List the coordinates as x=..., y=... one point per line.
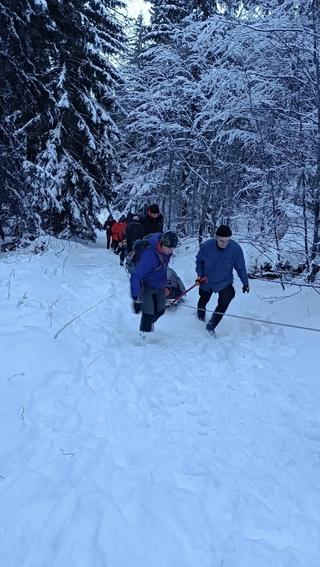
x=184, y=452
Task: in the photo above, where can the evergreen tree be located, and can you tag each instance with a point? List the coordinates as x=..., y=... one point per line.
x=56, y=103
x=78, y=157
x=164, y=16
x=138, y=42
x=24, y=99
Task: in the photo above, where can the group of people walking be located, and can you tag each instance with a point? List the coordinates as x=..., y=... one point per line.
x=123, y=233
x=215, y=262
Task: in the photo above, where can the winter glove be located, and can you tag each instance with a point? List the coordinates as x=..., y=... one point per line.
x=137, y=306
x=245, y=288
x=201, y=279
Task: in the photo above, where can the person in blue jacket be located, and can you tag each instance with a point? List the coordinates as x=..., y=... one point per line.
x=148, y=280
x=215, y=262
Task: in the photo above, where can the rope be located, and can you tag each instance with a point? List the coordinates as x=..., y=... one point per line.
x=259, y=320
x=80, y=315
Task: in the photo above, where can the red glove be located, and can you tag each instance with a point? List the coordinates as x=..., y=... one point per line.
x=201, y=279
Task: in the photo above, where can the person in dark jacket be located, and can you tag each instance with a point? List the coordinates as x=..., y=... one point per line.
x=134, y=231
x=107, y=227
x=152, y=221
x=130, y=216
x=149, y=279
x=215, y=262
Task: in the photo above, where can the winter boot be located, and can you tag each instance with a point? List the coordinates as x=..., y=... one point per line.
x=211, y=329
x=201, y=314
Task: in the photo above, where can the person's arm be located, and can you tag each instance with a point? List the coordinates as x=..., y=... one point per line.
x=142, y=222
x=200, y=263
x=240, y=267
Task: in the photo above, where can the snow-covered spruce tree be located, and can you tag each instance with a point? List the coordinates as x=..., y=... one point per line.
x=169, y=152
x=150, y=126
x=151, y=105
x=24, y=102
x=164, y=15
x=77, y=160
x=134, y=143
x=202, y=9
x=17, y=196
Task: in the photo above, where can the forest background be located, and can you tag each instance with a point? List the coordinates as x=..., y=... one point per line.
x=212, y=110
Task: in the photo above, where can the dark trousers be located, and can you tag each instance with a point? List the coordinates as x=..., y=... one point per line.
x=147, y=320
x=129, y=246
x=123, y=253
x=225, y=296
x=114, y=245
x=108, y=235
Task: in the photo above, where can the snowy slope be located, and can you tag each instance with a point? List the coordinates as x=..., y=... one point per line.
x=184, y=452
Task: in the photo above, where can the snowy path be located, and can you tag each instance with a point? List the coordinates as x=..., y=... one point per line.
x=184, y=452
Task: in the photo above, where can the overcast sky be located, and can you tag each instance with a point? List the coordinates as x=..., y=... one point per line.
x=137, y=6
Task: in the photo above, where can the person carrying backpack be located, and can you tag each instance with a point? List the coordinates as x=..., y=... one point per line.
x=134, y=231
x=107, y=227
x=148, y=280
x=118, y=230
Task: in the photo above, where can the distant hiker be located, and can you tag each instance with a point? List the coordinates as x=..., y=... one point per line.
x=174, y=287
x=149, y=279
x=215, y=262
x=134, y=231
x=152, y=221
x=129, y=216
x=118, y=230
x=107, y=227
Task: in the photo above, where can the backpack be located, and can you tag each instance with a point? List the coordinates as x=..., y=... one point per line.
x=134, y=257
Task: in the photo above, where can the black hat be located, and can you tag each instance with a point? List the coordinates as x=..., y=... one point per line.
x=169, y=239
x=154, y=209
x=224, y=230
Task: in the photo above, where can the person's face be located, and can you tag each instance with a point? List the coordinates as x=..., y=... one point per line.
x=154, y=215
x=223, y=241
x=166, y=250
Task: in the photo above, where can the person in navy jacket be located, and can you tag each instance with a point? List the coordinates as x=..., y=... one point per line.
x=149, y=279
x=215, y=262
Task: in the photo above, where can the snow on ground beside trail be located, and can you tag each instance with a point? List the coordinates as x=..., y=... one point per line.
x=186, y=451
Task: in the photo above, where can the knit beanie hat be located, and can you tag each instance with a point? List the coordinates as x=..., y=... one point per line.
x=224, y=230
x=154, y=209
x=169, y=239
